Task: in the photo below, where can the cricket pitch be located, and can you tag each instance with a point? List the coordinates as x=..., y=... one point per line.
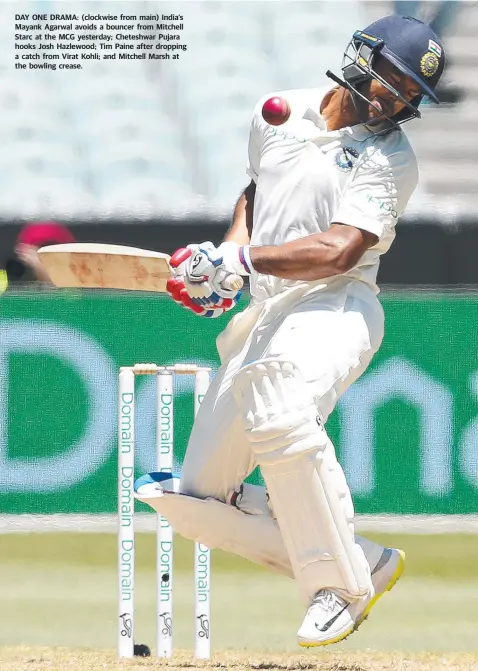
x=64, y=659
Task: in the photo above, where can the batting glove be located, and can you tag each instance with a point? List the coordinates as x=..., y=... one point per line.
x=203, y=308
x=212, y=273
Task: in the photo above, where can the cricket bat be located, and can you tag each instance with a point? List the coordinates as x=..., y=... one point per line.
x=92, y=265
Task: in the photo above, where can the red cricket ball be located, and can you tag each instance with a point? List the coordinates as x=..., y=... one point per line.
x=276, y=111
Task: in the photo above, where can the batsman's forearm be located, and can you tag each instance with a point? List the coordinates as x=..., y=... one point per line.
x=306, y=259
x=241, y=227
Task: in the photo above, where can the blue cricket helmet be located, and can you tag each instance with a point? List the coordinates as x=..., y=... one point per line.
x=409, y=44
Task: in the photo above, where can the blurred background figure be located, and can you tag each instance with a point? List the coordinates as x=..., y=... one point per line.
x=25, y=267
x=441, y=16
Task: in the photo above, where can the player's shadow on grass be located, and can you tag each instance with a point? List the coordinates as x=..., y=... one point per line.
x=299, y=666
x=319, y=665
x=268, y=666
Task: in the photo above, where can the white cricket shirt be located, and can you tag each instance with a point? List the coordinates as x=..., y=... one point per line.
x=309, y=178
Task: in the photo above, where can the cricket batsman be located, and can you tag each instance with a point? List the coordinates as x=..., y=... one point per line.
x=327, y=188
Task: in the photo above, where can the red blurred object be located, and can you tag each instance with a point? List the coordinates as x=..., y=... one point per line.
x=276, y=111
x=42, y=232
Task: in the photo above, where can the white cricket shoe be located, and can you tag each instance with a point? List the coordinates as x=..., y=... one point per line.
x=327, y=620
x=331, y=618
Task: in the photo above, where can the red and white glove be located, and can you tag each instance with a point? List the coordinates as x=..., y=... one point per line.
x=211, y=273
x=176, y=288
x=179, y=293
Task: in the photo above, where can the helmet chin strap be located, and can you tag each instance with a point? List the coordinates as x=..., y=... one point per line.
x=354, y=94
x=339, y=81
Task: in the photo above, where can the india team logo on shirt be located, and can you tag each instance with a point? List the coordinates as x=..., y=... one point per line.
x=345, y=158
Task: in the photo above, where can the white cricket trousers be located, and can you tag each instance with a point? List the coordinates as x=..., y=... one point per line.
x=331, y=336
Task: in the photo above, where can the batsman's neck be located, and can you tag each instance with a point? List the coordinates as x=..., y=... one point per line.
x=338, y=109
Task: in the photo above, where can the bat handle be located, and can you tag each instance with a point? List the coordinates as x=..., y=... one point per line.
x=233, y=283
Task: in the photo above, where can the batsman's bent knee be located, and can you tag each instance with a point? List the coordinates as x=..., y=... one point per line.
x=306, y=484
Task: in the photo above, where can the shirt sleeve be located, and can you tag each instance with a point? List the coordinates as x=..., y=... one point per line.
x=380, y=187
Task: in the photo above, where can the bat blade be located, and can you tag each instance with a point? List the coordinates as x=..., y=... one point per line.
x=96, y=265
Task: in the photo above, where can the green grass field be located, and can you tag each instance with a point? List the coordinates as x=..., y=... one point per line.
x=60, y=590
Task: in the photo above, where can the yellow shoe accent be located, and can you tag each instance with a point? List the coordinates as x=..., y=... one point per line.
x=393, y=580
x=330, y=641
